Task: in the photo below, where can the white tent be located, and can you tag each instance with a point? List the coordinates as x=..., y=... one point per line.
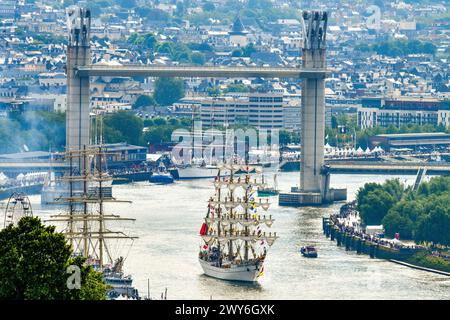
x=359, y=151
x=3, y=179
x=378, y=149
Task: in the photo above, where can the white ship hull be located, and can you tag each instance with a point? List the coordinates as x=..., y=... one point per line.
x=199, y=173
x=249, y=273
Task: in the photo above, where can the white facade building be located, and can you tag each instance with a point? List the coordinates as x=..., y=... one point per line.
x=403, y=111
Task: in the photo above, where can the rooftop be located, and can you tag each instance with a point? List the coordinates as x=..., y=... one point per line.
x=416, y=135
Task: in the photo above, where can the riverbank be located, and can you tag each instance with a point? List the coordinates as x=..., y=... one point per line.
x=429, y=261
x=341, y=228
x=420, y=268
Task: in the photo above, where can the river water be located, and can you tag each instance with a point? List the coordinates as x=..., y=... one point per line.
x=168, y=220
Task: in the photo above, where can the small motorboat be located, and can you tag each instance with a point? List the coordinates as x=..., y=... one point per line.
x=309, y=252
x=161, y=176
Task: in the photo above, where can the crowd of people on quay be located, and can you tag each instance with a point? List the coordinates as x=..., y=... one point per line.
x=347, y=221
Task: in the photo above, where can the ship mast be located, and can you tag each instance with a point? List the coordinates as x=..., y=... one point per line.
x=236, y=224
x=230, y=243
x=219, y=209
x=246, y=218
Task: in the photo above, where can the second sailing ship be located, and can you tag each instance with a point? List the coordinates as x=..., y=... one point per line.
x=86, y=219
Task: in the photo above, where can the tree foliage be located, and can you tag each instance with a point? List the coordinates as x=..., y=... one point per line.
x=33, y=265
x=422, y=215
x=144, y=101
x=123, y=126
x=400, y=47
x=238, y=87
x=168, y=90
x=159, y=130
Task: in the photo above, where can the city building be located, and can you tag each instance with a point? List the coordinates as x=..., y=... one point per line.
x=411, y=140
x=124, y=155
x=402, y=111
x=238, y=34
x=263, y=110
x=8, y=9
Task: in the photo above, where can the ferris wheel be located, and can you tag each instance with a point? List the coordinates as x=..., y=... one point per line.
x=18, y=206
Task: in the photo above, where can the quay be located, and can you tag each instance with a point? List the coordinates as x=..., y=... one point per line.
x=343, y=228
x=364, y=167
x=346, y=234
x=388, y=167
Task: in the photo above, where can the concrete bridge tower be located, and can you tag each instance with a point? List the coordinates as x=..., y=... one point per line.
x=78, y=101
x=314, y=175
x=313, y=103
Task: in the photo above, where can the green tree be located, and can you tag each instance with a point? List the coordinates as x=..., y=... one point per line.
x=375, y=206
x=237, y=53
x=123, y=126
x=236, y=88
x=168, y=91
x=248, y=50
x=33, y=263
x=285, y=137
x=395, y=188
x=394, y=222
x=422, y=215
x=402, y=218
x=144, y=101
x=198, y=58
x=213, y=91
x=436, y=225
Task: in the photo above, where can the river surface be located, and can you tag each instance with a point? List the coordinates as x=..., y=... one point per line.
x=168, y=220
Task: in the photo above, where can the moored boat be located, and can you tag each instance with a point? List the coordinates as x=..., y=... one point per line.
x=161, y=176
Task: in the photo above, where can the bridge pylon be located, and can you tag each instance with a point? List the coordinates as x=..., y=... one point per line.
x=314, y=176
x=78, y=99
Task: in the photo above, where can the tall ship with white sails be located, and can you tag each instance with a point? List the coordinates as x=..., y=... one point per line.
x=234, y=241
x=86, y=222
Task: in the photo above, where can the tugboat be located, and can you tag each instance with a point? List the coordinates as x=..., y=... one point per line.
x=121, y=285
x=234, y=244
x=161, y=176
x=309, y=252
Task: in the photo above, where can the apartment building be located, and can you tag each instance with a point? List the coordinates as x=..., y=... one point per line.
x=403, y=110
x=261, y=110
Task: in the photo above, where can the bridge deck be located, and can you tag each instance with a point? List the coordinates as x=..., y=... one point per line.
x=204, y=71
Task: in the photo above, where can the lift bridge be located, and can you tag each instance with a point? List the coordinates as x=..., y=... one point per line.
x=314, y=176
